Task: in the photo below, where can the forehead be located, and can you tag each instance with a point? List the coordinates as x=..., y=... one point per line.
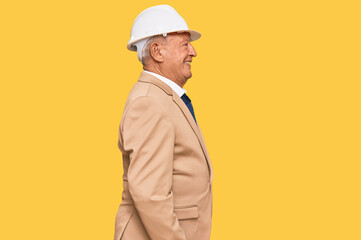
x=179, y=36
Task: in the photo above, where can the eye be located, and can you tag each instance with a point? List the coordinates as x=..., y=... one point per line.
x=186, y=44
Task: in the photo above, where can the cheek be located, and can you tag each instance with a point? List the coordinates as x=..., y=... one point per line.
x=176, y=60
x=179, y=62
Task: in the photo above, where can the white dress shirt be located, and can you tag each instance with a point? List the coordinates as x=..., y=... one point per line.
x=177, y=89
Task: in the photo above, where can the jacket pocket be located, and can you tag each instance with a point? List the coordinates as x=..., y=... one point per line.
x=186, y=212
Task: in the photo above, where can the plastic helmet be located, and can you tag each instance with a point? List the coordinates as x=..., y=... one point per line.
x=157, y=20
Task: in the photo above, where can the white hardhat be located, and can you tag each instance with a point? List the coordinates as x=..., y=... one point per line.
x=157, y=20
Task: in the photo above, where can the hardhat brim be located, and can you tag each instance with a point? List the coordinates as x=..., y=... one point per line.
x=194, y=35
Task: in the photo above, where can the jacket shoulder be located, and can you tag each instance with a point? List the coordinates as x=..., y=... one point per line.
x=146, y=92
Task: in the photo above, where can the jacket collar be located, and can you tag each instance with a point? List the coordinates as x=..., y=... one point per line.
x=148, y=78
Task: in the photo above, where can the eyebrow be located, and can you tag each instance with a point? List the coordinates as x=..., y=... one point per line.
x=185, y=40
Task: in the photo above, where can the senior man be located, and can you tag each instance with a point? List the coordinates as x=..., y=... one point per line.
x=167, y=172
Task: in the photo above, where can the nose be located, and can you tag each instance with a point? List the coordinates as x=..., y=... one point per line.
x=192, y=51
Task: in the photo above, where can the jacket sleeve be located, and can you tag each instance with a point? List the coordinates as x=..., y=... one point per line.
x=148, y=135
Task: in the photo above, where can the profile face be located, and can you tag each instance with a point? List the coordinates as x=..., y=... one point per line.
x=178, y=53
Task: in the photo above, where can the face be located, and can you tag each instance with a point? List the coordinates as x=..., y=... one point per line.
x=177, y=55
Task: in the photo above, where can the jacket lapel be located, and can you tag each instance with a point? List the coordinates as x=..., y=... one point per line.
x=144, y=77
x=195, y=128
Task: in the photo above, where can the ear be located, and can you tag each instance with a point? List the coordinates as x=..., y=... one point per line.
x=155, y=51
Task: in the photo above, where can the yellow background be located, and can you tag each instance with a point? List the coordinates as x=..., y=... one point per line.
x=276, y=91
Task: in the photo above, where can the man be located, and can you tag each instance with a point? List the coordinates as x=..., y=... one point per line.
x=167, y=172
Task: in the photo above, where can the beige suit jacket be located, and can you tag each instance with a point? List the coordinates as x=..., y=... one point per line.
x=167, y=171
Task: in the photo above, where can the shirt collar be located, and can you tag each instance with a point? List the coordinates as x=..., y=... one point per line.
x=177, y=89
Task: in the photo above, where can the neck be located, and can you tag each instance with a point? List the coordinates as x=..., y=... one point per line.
x=158, y=70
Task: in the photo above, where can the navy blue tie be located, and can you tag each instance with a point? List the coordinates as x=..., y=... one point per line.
x=188, y=103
